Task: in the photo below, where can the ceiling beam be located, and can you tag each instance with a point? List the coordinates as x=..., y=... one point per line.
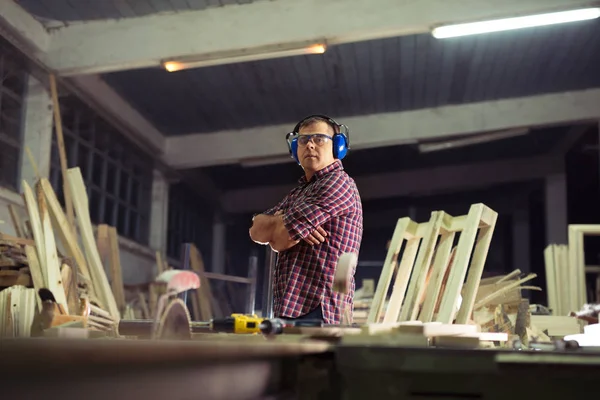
x=102, y=96
x=420, y=182
x=379, y=130
x=30, y=37
x=117, y=44
x=22, y=30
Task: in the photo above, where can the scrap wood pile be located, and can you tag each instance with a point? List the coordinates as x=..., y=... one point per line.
x=53, y=272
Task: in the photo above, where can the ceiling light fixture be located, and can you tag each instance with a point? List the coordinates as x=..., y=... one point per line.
x=230, y=57
x=475, y=28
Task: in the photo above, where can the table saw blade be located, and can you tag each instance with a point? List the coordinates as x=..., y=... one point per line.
x=175, y=322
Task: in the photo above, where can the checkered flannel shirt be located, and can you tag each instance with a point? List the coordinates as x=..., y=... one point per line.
x=304, y=274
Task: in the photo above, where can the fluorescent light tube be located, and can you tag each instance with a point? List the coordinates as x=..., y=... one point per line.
x=264, y=53
x=474, y=28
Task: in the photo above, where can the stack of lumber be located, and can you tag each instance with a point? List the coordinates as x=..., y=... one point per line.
x=54, y=272
x=419, y=334
x=566, y=272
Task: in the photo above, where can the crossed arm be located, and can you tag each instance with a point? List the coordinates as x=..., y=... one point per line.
x=303, y=220
x=271, y=229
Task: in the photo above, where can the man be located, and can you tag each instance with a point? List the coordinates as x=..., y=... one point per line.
x=313, y=225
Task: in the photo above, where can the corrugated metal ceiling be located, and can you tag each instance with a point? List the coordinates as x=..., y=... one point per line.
x=81, y=10
x=396, y=74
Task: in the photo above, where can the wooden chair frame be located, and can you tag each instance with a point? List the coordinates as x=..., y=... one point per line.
x=422, y=241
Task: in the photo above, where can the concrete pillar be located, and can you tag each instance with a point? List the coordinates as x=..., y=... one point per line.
x=218, y=244
x=37, y=132
x=159, y=213
x=556, y=209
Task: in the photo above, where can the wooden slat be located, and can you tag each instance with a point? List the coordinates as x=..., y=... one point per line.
x=36, y=272
x=417, y=281
x=405, y=229
x=461, y=264
x=36, y=226
x=66, y=234
x=60, y=141
x=81, y=204
x=482, y=246
x=439, y=269
x=204, y=292
x=116, y=273
x=50, y=263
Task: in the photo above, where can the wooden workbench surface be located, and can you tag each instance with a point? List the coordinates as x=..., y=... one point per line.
x=68, y=352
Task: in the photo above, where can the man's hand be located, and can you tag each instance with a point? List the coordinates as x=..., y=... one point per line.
x=316, y=237
x=262, y=228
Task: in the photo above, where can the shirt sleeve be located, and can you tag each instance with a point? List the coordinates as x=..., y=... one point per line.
x=328, y=198
x=276, y=208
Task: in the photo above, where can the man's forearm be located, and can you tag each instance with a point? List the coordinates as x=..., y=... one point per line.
x=263, y=228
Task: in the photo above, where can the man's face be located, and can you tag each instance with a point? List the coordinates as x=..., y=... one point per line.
x=318, y=152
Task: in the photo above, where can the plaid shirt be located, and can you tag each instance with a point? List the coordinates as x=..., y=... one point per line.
x=304, y=273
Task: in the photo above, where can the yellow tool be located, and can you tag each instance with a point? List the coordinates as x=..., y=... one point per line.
x=236, y=323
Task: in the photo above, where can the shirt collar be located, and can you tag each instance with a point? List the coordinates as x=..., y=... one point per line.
x=336, y=165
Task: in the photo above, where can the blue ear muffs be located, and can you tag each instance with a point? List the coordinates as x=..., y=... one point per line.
x=294, y=149
x=341, y=139
x=340, y=146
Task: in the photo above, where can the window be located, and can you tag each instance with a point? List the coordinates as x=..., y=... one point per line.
x=13, y=80
x=117, y=175
x=190, y=221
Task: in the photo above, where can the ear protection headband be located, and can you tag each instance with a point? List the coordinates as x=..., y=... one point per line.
x=341, y=137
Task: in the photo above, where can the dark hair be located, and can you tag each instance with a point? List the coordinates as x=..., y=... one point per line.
x=315, y=119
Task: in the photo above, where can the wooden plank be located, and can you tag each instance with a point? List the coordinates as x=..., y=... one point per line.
x=439, y=269
x=16, y=240
x=204, y=292
x=402, y=279
x=67, y=235
x=226, y=278
x=405, y=229
x=70, y=285
x=116, y=273
x=51, y=264
x=36, y=225
x=458, y=271
x=482, y=246
x=81, y=204
x=60, y=141
x=418, y=279
x=36, y=272
x=551, y=279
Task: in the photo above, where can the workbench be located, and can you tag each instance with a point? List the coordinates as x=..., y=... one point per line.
x=432, y=373
x=292, y=368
